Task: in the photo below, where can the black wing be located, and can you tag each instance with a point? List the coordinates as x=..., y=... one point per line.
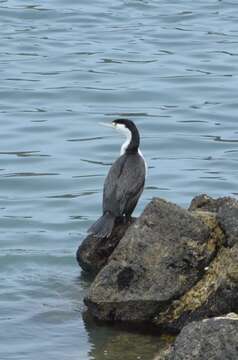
x=124, y=184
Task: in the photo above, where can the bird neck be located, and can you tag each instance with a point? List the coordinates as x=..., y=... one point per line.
x=132, y=142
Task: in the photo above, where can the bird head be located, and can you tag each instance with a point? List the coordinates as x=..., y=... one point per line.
x=129, y=130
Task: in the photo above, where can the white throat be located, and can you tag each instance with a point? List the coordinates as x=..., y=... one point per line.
x=125, y=144
x=125, y=132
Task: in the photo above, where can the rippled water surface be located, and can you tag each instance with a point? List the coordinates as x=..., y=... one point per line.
x=172, y=66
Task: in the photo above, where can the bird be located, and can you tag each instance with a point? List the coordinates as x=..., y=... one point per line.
x=124, y=182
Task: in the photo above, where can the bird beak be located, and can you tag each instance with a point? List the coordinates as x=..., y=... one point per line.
x=107, y=124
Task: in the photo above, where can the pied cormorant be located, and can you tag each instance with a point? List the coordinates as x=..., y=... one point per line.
x=124, y=182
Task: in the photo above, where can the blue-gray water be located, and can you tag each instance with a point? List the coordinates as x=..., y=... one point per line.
x=172, y=66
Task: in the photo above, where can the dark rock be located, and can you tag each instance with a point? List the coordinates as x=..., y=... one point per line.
x=93, y=253
x=227, y=214
x=203, y=202
x=215, y=294
x=124, y=278
x=215, y=339
x=228, y=219
x=207, y=203
x=162, y=255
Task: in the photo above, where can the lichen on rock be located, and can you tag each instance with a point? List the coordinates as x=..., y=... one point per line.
x=215, y=294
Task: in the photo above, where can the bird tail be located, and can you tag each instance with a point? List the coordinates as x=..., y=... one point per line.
x=102, y=228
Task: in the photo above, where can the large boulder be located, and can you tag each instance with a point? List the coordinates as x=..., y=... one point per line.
x=161, y=257
x=215, y=339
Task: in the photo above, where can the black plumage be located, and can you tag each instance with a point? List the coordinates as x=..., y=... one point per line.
x=124, y=182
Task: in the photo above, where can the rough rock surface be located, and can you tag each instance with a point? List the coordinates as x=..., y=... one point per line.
x=228, y=219
x=227, y=214
x=216, y=293
x=93, y=253
x=215, y=339
x=207, y=203
x=161, y=257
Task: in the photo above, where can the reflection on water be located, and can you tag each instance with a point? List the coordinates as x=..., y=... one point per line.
x=113, y=343
x=170, y=66
x=116, y=341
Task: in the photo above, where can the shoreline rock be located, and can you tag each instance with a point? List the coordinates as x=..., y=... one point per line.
x=171, y=269
x=215, y=294
x=92, y=255
x=161, y=256
x=214, y=338
x=226, y=209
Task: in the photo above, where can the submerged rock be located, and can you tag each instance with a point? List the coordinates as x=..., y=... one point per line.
x=161, y=257
x=215, y=338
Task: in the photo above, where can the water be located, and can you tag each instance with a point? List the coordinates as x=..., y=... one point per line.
x=64, y=67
